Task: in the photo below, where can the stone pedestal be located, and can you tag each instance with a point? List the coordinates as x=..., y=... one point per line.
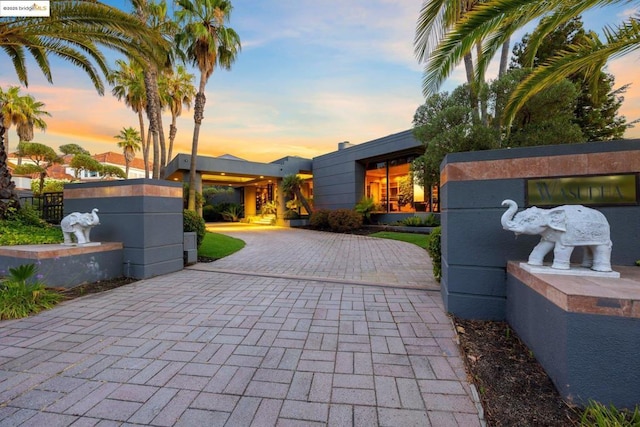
x=67, y=266
x=144, y=214
x=584, y=331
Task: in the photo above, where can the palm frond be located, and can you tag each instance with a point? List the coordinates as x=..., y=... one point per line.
x=621, y=41
x=16, y=53
x=493, y=22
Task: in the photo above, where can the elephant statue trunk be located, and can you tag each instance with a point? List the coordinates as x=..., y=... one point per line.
x=562, y=229
x=507, y=217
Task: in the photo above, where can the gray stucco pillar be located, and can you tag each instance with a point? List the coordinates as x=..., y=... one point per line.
x=280, y=199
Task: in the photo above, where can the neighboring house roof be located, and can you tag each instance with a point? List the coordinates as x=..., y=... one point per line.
x=118, y=159
x=59, y=171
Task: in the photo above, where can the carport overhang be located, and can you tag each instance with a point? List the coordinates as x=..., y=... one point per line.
x=228, y=172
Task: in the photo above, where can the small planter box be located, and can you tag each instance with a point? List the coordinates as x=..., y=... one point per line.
x=190, y=245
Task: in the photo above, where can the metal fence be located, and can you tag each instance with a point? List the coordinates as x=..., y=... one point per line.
x=50, y=206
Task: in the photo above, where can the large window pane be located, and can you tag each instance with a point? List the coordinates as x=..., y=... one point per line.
x=390, y=185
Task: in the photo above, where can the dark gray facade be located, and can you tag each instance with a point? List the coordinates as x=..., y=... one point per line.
x=144, y=214
x=475, y=248
x=338, y=177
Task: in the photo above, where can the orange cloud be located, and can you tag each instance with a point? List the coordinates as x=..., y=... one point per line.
x=625, y=71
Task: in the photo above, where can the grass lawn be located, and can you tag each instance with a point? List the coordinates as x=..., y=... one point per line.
x=415, y=238
x=219, y=246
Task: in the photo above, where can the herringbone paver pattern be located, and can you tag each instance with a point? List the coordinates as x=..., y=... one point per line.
x=201, y=348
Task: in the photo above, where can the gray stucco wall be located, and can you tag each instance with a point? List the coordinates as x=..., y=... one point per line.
x=338, y=177
x=475, y=248
x=149, y=226
x=587, y=356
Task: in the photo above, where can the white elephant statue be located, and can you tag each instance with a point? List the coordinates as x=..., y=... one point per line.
x=562, y=229
x=80, y=225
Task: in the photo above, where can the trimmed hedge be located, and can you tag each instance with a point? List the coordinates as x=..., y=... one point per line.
x=193, y=222
x=434, y=248
x=319, y=219
x=344, y=220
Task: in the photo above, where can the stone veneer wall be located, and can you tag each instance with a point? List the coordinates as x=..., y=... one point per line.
x=475, y=248
x=144, y=214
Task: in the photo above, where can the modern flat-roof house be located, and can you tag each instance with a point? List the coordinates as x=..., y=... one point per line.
x=379, y=169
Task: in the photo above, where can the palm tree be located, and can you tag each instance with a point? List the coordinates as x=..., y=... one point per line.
x=436, y=19
x=154, y=15
x=75, y=31
x=176, y=90
x=129, y=141
x=496, y=20
x=208, y=43
x=23, y=111
x=33, y=112
x=11, y=110
x=129, y=85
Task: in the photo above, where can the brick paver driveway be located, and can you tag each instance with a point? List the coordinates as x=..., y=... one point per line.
x=299, y=328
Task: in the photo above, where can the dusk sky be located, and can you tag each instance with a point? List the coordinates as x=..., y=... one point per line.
x=310, y=74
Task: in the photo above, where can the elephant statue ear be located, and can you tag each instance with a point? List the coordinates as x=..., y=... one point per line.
x=558, y=220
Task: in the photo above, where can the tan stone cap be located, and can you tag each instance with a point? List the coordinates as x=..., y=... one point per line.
x=48, y=251
x=589, y=295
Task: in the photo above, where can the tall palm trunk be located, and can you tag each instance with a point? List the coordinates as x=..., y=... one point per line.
x=468, y=67
x=8, y=195
x=151, y=76
x=504, y=57
x=198, y=115
x=145, y=145
x=173, y=130
x=6, y=127
x=482, y=100
x=163, y=145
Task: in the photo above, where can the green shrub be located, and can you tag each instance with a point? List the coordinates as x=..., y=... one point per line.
x=431, y=221
x=214, y=213
x=319, y=219
x=269, y=208
x=291, y=214
x=20, y=299
x=598, y=415
x=412, y=221
x=415, y=221
x=51, y=185
x=434, y=247
x=233, y=213
x=193, y=222
x=209, y=213
x=16, y=232
x=344, y=220
x=28, y=215
x=365, y=207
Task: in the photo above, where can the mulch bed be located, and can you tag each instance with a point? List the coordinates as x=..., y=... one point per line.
x=513, y=387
